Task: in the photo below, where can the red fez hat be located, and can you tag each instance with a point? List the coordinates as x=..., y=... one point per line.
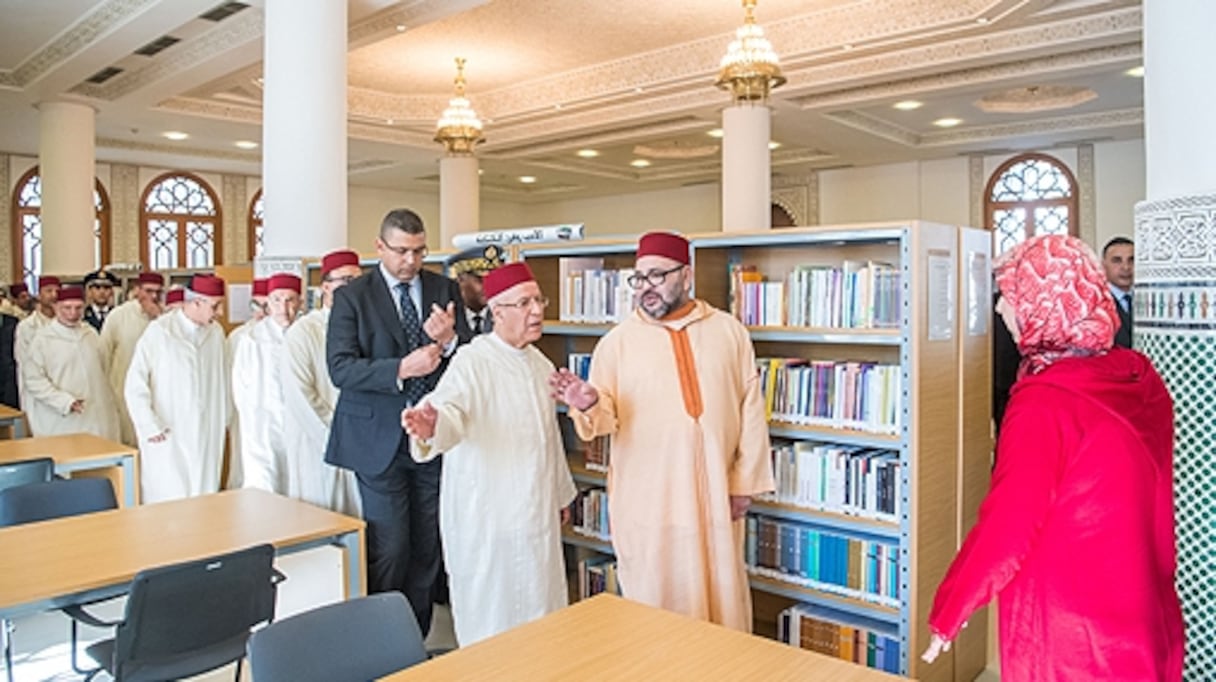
x=665, y=244
x=175, y=296
x=283, y=280
x=500, y=279
x=71, y=294
x=18, y=289
x=207, y=285
x=336, y=259
x=150, y=278
x=49, y=281
x=261, y=287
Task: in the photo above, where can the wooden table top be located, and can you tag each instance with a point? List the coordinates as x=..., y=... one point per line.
x=609, y=638
x=77, y=447
x=64, y=556
x=7, y=412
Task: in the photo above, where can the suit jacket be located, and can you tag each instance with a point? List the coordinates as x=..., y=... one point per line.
x=364, y=345
x=1123, y=335
x=94, y=319
x=8, y=364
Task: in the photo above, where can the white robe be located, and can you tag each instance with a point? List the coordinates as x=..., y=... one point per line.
x=505, y=479
x=257, y=394
x=177, y=381
x=119, y=333
x=309, y=398
x=26, y=330
x=65, y=364
x=236, y=474
x=9, y=308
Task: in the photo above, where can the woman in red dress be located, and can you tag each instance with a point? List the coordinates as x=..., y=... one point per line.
x=1076, y=534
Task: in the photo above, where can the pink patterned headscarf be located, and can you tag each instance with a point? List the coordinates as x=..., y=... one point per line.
x=1060, y=298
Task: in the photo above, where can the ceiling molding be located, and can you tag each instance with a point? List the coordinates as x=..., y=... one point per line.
x=410, y=14
x=239, y=30
x=1038, y=66
x=618, y=135
x=889, y=131
x=85, y=32
x=176, y=150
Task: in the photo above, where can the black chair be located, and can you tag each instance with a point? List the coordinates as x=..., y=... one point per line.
x=356, y=640
x=47, y=500
x=191, y=618
x=27, y=471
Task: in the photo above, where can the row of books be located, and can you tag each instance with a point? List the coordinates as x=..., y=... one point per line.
x=591, y=294
x=854, y=295
x=846, y=395
x=579, y=364
x=801, y=626
x=597, y=453
x=597, y=574
x=589, y=515
x=851, y=480
x=822, y=560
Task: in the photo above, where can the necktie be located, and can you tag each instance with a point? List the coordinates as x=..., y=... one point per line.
x=1127, y=302
x=415, y=387
x=477, y=323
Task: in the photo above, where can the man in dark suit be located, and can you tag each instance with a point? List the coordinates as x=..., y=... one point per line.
x=99, y=285
x=390, y=335
x=1119, y=262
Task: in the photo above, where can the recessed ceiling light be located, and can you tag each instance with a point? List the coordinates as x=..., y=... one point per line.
x=638, y=90
x=527, y=179
x=1135, y=72
x=947, y=122
x=388, y=121
x=481, y=171
x=400, y=28
x=982, y=20
x=716, y=132
x=588, y=153
x=557, y=106
x=908, y=105
x=774, y=145
x=246, y=144
x=176, y=135
x=639, y=163
x=846, y=47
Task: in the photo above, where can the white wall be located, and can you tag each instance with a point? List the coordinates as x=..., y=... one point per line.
x=686, y=209
x=1119, y=183
x=367, y=206
x=928, y=190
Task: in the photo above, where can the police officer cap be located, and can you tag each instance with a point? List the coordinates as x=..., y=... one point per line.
x=477, y=260
x=100, y=278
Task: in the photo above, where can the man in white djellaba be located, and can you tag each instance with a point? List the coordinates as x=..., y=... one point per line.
x=177, y=394
x=66, y=387
x=506, y=485
x=309, y=398
x=120, y=333
x=257, y=388
x=257, y=313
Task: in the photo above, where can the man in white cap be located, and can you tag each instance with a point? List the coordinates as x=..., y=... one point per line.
x=257, y=312
x=119, y=333
x=309, y=397
x=177, y=394
x=506, y=483
x=67, y=389
x=257, y=388
x=27, y=329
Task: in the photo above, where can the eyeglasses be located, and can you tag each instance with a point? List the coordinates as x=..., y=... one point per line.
x=403, y=251
x=655, y=277
x=526, y=303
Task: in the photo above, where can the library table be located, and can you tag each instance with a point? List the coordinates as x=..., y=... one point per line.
x=66, y=561
x=14, y=419
x=609, y=638
x=82, y=452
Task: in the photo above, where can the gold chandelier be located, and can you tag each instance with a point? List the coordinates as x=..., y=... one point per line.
x=459, y=129
x=750, y=69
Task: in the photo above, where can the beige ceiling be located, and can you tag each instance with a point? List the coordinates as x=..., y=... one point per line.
x=554, y=76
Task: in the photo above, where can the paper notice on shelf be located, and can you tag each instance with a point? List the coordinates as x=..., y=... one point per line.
x=529, y=235
x=979, y=293
x=239, y=296
x=941, y=296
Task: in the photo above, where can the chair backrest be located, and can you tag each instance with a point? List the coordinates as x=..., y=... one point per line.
x=188, y=618
x=43, y=501
x=359, y=639
x=13, y=474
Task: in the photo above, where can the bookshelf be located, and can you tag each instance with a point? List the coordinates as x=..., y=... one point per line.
x=932, y=443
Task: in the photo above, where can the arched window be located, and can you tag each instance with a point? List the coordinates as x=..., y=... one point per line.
x=256, y=210
x=1028, y=196
x=180, y=219
x=27, y=226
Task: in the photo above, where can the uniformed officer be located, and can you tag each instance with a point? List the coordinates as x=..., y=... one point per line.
x=99, y=292
x=467, y=268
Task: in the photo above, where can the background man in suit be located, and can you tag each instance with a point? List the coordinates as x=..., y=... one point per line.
x=1119, y=262
x=390, y=335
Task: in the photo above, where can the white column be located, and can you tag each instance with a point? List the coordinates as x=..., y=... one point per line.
x=66, y=168
x=746, y=178
x=1175, y=292
x=459, y=198
x=304, y=127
